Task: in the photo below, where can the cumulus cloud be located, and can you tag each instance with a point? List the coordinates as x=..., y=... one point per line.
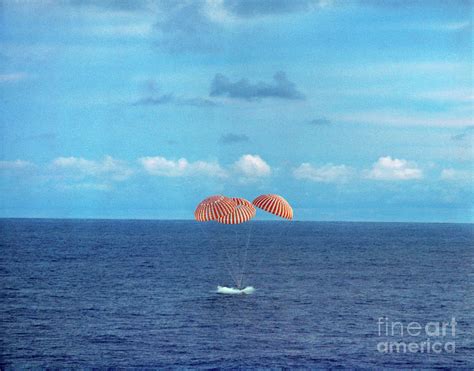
x=252, y=166
x=81, y=174
x=388, y=168
x=79, y=167
x=281, y=88
x=232, y=138
x=161, y=166
x=326, y=174
x=248, y=167
x=457, y=175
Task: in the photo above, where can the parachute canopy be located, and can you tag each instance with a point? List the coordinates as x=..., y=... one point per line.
x=235, y=210
x=244, y=211
x=214, y=207
x=274, y=204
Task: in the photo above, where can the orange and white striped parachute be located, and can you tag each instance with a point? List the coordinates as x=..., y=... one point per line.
x=274, y=204
x=214, y=207
x=243, y=212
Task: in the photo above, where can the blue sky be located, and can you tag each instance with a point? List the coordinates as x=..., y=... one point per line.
x=352, y=110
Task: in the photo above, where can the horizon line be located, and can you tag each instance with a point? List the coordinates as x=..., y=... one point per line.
x=264, y=220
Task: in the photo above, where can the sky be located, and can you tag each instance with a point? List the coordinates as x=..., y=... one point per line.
x=351, y=110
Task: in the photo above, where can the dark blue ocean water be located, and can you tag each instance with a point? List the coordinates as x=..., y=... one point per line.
x=96, y=293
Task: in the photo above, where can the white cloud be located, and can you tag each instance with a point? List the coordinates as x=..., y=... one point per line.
x=248, y=166
x=388, y=168
x=12, y=77
x=455, y=175
x=163, y=167
x=327, y=174
x=252, y=166
x=108, y=167
x=15, y=165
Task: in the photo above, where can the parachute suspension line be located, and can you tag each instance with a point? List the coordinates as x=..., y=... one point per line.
x=233, y=272
x=229, y=269
x=249, y=233
x=232, y=269
x=235, y=210
x=227, y=245
x=236, y=253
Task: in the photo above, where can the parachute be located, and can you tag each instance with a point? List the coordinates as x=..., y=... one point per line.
x=274, y=204
x=235, y=210
x=214, y=207
x=238, y=211
x=243, y=212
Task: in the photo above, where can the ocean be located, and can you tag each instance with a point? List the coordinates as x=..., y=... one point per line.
x=135, y=293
